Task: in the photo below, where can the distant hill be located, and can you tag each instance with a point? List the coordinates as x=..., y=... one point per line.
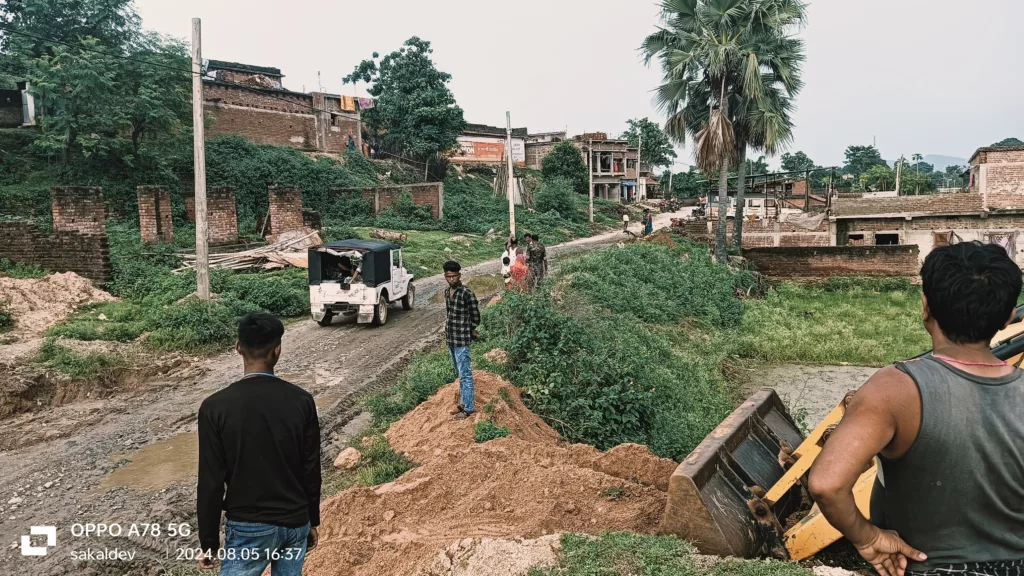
x=940, y=162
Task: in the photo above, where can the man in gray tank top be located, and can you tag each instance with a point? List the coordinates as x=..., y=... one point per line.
x=948, y=430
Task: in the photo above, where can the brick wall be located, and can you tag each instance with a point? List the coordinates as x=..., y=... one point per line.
x=222, y=215
x=910, y=204
x=825, y=262
x=87, y=255
x=535, y=154
x=427, y=194
x=285, y=120
x=1003, y=156
x=155, y=218
x=79, y=209
x=763, y=233
x=285, y=209
x=190, y=206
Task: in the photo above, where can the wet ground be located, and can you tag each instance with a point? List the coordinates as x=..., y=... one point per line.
x=130, y=459
x=811, y=392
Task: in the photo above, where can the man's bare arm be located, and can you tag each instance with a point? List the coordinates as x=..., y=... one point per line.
x=868, y=426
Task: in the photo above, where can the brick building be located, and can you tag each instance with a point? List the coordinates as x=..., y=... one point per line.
x=251, y=101
x=482, y=144
x=156, y=223
x=992, y=211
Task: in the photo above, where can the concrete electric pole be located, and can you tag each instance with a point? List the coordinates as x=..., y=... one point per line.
x=590, y=176
x=511, y=176
x=202, y=225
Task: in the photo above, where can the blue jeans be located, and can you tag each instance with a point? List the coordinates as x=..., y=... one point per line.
x=460, y=357
x=249, y=547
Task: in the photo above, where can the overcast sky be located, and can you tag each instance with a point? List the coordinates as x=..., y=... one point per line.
x=920, y=76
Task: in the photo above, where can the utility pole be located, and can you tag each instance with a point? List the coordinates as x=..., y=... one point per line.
x=671, y=174
x=640, y=189
x=590, y=176
x=899, y=176
x=511, y=176
x=202, y=226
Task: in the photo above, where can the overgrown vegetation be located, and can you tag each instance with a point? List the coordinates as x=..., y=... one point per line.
x=79, y=366
x=565, y=161
x=426, y=374
x=625, y=553
x=859, y=322
x=380, y=463
x=486, y=430
x=18, y=270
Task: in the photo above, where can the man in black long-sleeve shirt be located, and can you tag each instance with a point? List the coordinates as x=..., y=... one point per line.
x=260, y=439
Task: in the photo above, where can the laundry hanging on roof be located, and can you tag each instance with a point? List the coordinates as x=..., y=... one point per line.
x=365, y=103
x=348, y=103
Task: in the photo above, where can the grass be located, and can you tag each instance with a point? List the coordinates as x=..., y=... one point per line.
x=486, y=430
x=77, y=366
x=424, y=252
x=21, y=271
x=381, y=464
x=864, y=324
x=619, y=553
x=6, y=318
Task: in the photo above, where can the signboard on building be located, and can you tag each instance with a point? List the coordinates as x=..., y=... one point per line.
x=489, y=150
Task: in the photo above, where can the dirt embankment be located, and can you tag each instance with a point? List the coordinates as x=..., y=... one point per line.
x=466, y=501
x=37, y=304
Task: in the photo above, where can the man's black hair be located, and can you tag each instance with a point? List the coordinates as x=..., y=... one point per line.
x=972, y=288
x=452, y=266
x=534, y=236
x=513, y=242
x=258, y=334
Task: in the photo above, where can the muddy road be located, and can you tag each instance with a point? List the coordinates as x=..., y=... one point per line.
x=130, y=459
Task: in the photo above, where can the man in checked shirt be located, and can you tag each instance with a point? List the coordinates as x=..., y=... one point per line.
x=460, y=330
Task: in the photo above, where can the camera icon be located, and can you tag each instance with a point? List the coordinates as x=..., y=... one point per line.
x=27, y=549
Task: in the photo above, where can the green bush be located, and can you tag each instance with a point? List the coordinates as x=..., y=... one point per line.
x=19, y=270
x=123, y=322
x=196, y=326
x=566, y=161
x=486, y=430
x=404, y=214
x=284, y=293
x=381, y=464
x=556, y=195
x=660, y=285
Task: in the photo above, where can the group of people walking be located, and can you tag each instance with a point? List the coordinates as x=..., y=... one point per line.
x=524, y=269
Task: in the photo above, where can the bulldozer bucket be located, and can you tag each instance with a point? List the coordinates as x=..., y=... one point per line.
x=716, y=495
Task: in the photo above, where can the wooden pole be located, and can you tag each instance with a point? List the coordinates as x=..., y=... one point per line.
x=202, y=226
x=511, y=176
x=590, y=171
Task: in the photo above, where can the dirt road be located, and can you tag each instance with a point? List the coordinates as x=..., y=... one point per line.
x=131, y=459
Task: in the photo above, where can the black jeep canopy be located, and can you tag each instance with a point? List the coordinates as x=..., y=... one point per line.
x=376, y=266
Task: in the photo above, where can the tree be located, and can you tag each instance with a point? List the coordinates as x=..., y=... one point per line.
x=657, y=148
x=917, y=158
x=860, y=159
x=879, y=178
x=687, y=184
x=414, y=109
x=796, y=162
x=731, y=69
x=565, y=161
x=556, y=195
x=758, y=166
x=35, y=24
x=1009, y=142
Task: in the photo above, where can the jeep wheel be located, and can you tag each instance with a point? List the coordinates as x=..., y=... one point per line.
x=380, y=312
x=409, y=300
x=326, y=320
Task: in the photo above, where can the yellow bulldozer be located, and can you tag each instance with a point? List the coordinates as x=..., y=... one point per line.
x=742, y=492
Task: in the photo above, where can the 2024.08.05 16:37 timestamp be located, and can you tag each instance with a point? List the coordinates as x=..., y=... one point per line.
x=268, y=554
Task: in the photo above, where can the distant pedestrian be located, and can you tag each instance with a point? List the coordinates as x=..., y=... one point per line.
x=520, y=277
x=625, y=222
x=536, y=256
x=463, y=318
x=259, y=462
x=648, y=223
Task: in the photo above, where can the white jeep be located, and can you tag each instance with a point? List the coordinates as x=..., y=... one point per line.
x=358, y=277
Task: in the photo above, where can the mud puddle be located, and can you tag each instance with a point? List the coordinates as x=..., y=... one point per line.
x=158, y=465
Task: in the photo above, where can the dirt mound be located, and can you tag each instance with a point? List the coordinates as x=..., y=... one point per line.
x=491, y=557
x=37, y=304
x=525, y=486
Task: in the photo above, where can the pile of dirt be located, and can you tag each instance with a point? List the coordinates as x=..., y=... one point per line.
x=463, y=494
x=37, y=304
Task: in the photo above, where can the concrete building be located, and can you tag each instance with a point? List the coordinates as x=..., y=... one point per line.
x=251, y=101
x=482, y=144
x=540, y=145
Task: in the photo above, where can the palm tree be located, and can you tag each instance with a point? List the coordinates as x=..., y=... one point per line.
x=731, y=71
